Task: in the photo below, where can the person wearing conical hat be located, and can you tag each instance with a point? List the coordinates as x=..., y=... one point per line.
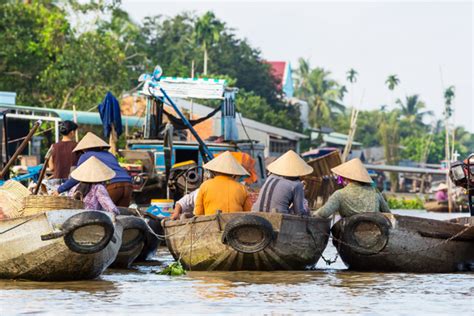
x=223, y=192
x=120, y=186
x=283, y=191
x=357, y=196
x=441, y=194
x=91, y=175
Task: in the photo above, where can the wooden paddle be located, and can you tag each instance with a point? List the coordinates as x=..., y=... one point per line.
x=43, y=170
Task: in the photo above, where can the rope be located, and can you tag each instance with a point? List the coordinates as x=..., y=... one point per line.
x=22, y=223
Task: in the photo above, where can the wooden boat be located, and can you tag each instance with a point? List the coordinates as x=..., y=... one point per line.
x=58, y=245
x=435, y=206
x=247, y=241
x=133, y=240
x=388, y=242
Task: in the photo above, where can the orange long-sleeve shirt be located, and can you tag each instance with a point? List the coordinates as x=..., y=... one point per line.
x=221, y=193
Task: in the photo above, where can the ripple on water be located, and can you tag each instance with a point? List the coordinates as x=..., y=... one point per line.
x=323, y=291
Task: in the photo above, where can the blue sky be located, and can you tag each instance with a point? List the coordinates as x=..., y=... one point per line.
x=429, y=45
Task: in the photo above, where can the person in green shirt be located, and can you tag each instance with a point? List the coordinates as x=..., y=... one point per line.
x=357, y=196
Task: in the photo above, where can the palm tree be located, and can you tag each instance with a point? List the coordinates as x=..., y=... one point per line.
x=322, y=93
x=411, y=109
x=392, y=81
x=207, y=32
x=448, y=100
x=352, y=75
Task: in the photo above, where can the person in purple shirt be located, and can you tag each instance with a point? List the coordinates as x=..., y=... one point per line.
x=120, y=186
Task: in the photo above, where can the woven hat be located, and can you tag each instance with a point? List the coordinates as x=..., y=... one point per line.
x=91, y=141
x=290, y=165
x=441, y=187
x=92, y=171
x=353, y=170
x=226, y=163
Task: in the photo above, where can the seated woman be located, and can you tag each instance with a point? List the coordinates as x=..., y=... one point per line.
x=91, y=175
x=357, y=196
x=223, y=192
x=283, y=191
x=120, y=187
x=441, y=194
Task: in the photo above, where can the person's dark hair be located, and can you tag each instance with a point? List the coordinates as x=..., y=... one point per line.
x=82, y=190
x=65, y=127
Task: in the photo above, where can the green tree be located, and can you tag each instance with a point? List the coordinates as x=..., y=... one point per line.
x=32, y=37
x=207, y=32
x=323, y=94
x=390, y=139
x=411, y=109
x=88, y=67
x=392, y=81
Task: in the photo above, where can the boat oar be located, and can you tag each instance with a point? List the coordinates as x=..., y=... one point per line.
x=43, y=170
x=22, y=146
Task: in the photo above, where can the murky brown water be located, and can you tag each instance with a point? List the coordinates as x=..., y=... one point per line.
x=328, y=290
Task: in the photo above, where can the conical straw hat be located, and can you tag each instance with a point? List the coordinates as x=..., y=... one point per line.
x=290, y=164
x=92, y=171
x=226, y=163
x=353, y=170
x=91, y=141
x=441, y=187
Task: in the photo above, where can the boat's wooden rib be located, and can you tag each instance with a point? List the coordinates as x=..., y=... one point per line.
x=198, y=242
x=388, y=242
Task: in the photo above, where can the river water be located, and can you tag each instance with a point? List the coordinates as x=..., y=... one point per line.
x=327, y=290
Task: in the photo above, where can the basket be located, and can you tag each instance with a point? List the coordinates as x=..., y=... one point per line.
x=12, y=194
x=35, y=204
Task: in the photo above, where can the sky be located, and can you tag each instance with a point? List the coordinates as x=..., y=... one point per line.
x=428, y=45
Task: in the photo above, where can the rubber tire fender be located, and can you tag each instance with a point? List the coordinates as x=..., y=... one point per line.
x=132, y=222
x=83, y=219
x=234, y=225
x=383, y=224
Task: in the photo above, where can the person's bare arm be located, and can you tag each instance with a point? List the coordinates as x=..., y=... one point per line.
x=177, y=212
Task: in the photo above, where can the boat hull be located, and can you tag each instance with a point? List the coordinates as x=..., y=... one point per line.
x=404, y=243
x=133, y=240
x=297, y=243
x=434, y=206
x=24, y=255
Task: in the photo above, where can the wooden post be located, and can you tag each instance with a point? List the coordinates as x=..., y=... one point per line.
x=113, y=140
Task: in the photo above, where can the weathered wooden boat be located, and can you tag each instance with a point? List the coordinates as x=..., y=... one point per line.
x=133, y=240
x=435, y=206
x=153, y=229
x=58, y=245
x=389, y=242
x=247, y=241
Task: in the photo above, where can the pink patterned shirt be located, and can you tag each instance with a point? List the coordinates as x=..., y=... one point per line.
x=97, y=199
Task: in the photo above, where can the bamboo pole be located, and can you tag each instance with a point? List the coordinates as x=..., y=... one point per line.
x=43, y=170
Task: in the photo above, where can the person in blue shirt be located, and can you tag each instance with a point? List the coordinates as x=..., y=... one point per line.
x=119, y=187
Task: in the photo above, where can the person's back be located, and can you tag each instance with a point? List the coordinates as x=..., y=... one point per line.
x=353, y=199
x=63, y=159
x=358, y=196
x=221, y=193
x=282, y=195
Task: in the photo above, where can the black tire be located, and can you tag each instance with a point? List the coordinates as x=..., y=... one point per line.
x=235, y=229
x=132, y=222
x=90, y=218
x=381, y=240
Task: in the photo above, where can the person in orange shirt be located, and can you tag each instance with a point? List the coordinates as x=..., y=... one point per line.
x=223, y=192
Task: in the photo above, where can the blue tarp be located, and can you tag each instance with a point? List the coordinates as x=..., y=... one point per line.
x=109, y=111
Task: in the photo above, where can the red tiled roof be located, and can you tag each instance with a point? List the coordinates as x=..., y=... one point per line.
x=278, y=70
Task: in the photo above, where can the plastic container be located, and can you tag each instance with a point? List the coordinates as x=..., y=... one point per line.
x=161, y=207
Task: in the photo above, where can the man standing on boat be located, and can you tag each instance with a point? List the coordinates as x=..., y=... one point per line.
x=283, y=191
x=357, y=196
x=223, y=192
